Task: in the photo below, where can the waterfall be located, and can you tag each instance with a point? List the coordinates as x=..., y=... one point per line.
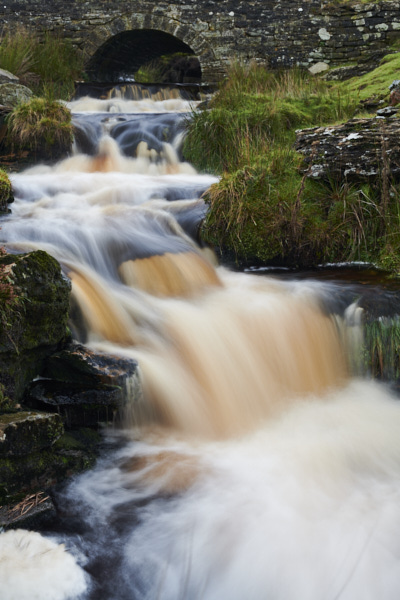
x=261, y=467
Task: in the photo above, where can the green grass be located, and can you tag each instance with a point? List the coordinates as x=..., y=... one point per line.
x=373, y=85
x=269, y=213
x=263, y=107
x=382, y=348
x=48, y=65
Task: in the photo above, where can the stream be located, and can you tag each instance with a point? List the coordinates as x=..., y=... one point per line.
x=258, y=463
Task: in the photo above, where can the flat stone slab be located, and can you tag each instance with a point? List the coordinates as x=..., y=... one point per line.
x=80, y=365
x=78, y=405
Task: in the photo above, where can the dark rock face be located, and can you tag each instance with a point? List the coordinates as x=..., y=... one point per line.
x=86, y=388
x=33, y=319
x=24, y=432
x=361, y=149
x=21, y=475
x=79, y=365
x=281, y=34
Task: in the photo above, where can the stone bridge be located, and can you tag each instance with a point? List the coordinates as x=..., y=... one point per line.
x=117, y=35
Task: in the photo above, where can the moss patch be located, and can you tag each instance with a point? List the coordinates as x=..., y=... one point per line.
x=6, y=195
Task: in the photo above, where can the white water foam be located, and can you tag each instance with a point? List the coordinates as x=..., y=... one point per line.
x=305, y=508
x=120, y=105
x=35, y=568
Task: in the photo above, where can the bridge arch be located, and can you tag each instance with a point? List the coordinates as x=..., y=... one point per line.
x=136, y=40
x=129, y=52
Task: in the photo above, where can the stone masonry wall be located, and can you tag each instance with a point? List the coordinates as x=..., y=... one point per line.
x=278, y=32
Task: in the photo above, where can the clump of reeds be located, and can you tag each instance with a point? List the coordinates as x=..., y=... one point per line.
x=382, y=348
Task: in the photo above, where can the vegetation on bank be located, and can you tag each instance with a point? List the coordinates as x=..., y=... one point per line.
x=264, y=209
x=47, y=64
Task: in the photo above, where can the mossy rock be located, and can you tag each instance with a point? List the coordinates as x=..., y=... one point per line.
x=33, y=319
x=12, y=94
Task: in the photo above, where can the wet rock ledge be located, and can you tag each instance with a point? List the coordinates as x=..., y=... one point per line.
x=55, y=396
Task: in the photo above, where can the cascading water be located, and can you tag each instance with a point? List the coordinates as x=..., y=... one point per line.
x=260, y=467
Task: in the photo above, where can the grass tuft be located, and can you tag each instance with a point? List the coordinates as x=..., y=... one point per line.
x=41, y=126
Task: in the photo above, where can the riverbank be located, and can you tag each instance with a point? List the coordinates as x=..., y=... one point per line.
x=270, y=208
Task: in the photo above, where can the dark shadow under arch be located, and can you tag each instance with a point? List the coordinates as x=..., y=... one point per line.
x=123, y=54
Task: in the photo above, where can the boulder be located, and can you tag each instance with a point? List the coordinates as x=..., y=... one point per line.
x=358, y=150
x=79, y=365
x=77, y=404
x=394, y=88
x=12, y=94
x=319, y=67
x=7, y=77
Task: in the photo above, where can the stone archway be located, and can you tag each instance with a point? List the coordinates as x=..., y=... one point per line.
x=166, y=58
x=148, y=36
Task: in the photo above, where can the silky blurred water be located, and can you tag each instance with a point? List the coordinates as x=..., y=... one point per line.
x=257, y=465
